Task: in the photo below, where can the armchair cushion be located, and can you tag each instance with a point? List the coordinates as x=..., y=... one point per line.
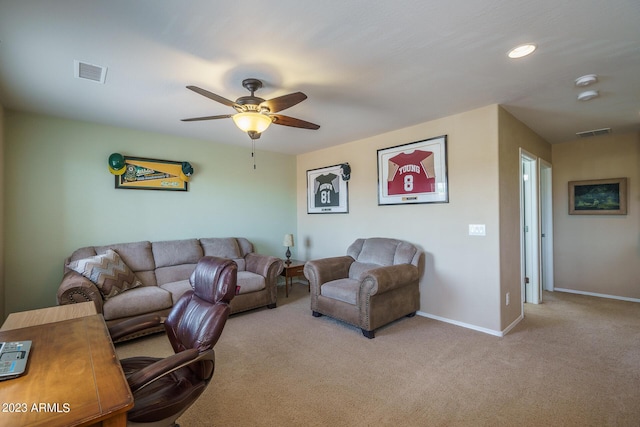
x=109, y=273
x=359, y=269
x=345, y=290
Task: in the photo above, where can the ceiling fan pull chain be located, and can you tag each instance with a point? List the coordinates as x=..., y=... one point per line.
x=253, y=152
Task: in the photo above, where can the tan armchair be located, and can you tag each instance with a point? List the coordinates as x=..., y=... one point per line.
x=376, y=283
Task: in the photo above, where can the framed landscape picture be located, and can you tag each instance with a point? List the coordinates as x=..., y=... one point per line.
x=413, y=173
x=327, y=192
x=598, y=197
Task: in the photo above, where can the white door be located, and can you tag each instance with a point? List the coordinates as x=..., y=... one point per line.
x=546, y=226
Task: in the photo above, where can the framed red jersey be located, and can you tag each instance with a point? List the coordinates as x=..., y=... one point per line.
x=413, y=173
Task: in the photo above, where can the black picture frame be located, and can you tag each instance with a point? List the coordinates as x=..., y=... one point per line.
x=413, y=173
x=327, y=191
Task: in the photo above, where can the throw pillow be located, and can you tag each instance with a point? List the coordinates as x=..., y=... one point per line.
x=109, y=273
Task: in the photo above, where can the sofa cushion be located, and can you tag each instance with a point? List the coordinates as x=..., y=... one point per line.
x=141, y=300
x=137, y=255
x=226, y=247
x=249, y=282
x=174, y=252
x=177, y=289
x=174, y=273
x=109, y=273
x=246, y=247
x=345, y=290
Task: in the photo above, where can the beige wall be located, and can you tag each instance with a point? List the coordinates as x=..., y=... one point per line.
x=59, y=196
x=593, y=253
x=461, y=282
x=513, y=136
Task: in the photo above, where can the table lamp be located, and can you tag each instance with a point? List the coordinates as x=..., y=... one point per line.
x=288, y=242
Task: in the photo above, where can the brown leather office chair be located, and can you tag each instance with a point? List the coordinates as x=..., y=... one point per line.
x=164, y=388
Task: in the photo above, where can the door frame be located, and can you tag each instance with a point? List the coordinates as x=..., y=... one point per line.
x=530, y=251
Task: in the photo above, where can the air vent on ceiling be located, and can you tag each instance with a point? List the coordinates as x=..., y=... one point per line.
x=95, y=73
x=595, y=132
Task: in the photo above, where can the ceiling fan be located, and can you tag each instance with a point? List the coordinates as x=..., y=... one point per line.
x=254, y=114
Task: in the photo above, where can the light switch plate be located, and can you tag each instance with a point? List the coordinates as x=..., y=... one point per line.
x=477, y=230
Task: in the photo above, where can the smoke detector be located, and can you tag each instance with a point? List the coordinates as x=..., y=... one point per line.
x=586, y=80
x=587, y=95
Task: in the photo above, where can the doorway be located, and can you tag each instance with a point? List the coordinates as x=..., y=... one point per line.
x=536, y=226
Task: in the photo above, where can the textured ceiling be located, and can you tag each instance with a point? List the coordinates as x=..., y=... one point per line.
x=367, y=67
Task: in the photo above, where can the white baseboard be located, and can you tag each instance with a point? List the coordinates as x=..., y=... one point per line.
x=592, y=294
x=470, y=326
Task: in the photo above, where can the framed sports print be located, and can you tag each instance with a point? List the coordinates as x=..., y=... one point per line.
x=327, y=191
x=598, y=197
x=151, y=174
x=413, y=173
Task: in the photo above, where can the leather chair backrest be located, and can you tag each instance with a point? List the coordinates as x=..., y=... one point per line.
x=199, y=316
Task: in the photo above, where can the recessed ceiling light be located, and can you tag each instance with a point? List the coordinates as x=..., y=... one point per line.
x=586, y=80
x=587, y=95
x=522, y=50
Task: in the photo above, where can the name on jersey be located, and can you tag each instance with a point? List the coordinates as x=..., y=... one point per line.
x=409, y=168
x=325, y=187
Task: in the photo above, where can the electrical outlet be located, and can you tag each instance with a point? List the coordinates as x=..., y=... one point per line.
x=477, y=230
x=506, y=298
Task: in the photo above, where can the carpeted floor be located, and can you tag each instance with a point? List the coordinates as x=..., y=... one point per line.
x=573, y=361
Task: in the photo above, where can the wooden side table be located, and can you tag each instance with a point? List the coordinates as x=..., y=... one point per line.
x=294, y=269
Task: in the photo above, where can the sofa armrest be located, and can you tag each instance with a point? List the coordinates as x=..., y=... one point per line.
x=383, y=279
x=76, y=288
x=321, y=271
x=266, y=266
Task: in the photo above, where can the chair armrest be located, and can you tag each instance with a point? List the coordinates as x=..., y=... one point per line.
x=133, y=325
x=383, y=279
x=321, y=271
x=76, y=288
x=267, y=266
x=162, y=367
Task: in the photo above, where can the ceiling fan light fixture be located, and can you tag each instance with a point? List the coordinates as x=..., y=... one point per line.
x=252, y=121
x=522, y=51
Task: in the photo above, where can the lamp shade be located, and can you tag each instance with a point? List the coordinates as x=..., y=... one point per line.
x=288, y=240
x=252, y=121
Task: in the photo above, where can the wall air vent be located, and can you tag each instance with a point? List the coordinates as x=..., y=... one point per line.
x=95, y=73
x=595, y=132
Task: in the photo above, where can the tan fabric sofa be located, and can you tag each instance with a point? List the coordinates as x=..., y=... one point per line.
x=163, y=270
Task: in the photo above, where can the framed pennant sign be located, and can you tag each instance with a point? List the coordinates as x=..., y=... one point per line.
x=413, y=173
x=151, y=174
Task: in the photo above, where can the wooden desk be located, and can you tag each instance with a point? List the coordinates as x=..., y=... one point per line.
x=48, y=315
x=73, y=377
x=294, y=269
